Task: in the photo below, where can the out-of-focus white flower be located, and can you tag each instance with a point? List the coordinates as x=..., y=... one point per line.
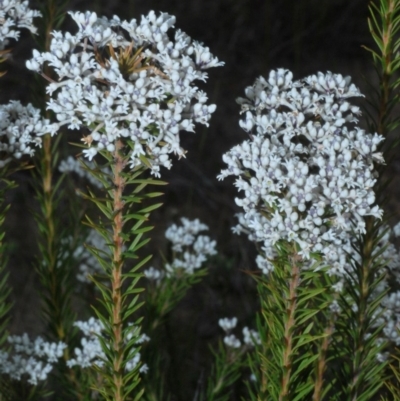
x=34, y=359
x=251, y=337
x=128, y=80
x=227, y=324
x=334, y=307
x=184, y=235
x=72, y=165
x=232, y=341
x=191, y=249
x=153, y=274
x=307, y=172
x=390, y=317
x=88, y=264
x=338, y=286
x=396, y=230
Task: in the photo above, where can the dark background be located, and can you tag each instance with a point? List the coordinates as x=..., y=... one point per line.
x=251, y=37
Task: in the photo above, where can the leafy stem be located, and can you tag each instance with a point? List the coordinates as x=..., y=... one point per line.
x=5, y=305
x=367, y=281
x=290, y=323
x=122, y=225
x=116, y=283
x=322, y=362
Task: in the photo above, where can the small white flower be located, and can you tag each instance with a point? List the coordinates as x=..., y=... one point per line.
x=232, y=341
x=152, y=274
x=227, y=324
x=334, y=307
x=251, y=337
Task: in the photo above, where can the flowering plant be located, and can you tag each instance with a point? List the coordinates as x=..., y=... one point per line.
x=308, y=176
x=325, y=325
x=132, y=88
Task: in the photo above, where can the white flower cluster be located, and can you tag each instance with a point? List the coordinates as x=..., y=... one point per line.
x=91, y=352
x=307, y=170
x=391, y=317
x=72, y=165
x=250, y=337
x=15, y=14
x=128, y=80
x=189, y=248
x=19, y=129
x=31, y=358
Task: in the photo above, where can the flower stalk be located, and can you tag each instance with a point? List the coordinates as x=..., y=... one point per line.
x=290, y=324
x=5, y=304
x=383, y=24
x=322, y=362
x=369, y=274
x=117, y=279
x=58, y=314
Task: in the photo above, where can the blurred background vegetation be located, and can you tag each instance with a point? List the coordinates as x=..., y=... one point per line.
x=252, y=37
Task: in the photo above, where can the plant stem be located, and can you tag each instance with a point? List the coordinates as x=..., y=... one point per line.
x=387, y=54
x=291, y=303
x=48, y=206
x=51, y=250
x=116, y=284
x=321, y=363
x=362, y=318
x=54, y=275
x=5, y=304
